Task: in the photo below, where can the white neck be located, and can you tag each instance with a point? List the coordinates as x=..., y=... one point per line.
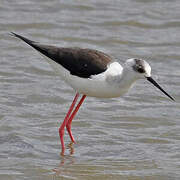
x=124, y=80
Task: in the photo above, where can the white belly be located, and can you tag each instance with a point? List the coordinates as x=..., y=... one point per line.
x=95, y=87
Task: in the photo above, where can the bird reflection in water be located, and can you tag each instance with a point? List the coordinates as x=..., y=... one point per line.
x=65, y=161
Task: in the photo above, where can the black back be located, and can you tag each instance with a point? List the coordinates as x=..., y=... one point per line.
x=80, y=62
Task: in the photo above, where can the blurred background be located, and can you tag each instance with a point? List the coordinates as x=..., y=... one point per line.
x=135, y=137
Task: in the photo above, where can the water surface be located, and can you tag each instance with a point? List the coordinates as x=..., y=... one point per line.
x=132, y=137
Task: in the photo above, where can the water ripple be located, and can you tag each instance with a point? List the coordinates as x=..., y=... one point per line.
x=132, y=137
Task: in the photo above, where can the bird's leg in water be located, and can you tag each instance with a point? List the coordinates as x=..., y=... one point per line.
x=61, y=129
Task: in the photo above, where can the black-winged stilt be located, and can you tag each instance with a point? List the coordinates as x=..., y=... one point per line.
x=91, y=73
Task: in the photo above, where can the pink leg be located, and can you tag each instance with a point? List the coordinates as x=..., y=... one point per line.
x=61, y=129
x=68, y=125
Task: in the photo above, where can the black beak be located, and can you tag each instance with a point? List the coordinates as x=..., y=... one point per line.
x=150, y=79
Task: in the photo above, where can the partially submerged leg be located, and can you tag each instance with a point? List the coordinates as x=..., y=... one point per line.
x=61, y=129
x=68, y=125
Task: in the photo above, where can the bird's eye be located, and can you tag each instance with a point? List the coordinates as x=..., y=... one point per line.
x=140, y=69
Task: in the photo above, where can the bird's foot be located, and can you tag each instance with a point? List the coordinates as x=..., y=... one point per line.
x=62, y=152
x=71, y=148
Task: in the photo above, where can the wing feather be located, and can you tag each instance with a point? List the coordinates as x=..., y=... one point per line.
x=80, y=62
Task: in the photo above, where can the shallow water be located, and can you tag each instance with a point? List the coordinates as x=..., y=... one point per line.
x=132, y=137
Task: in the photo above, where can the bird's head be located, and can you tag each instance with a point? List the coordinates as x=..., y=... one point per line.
x=141, y=69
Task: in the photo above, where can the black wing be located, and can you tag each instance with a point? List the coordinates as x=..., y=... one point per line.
x=80, y=62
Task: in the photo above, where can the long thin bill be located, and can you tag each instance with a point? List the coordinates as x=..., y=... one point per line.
x=150, y=79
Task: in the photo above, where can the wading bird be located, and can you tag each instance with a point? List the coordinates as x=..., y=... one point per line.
x=91, y=73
